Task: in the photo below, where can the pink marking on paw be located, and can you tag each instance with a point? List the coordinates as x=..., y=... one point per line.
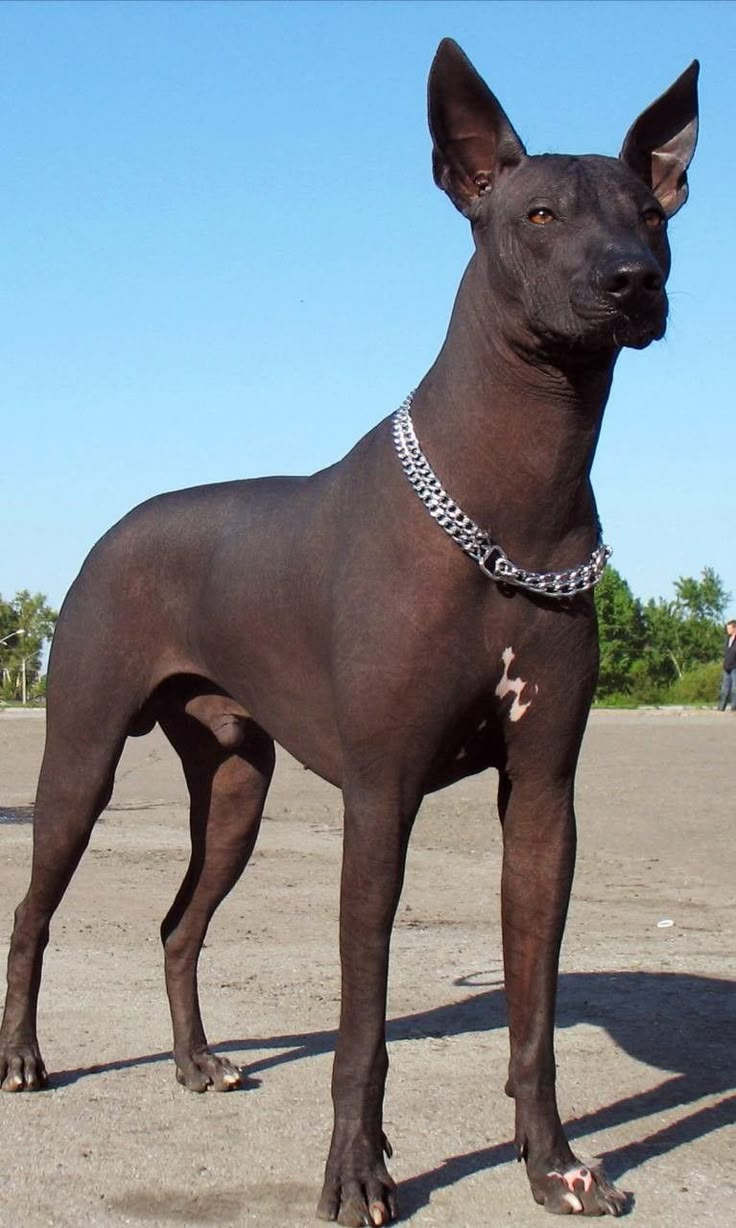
x=577, y=1174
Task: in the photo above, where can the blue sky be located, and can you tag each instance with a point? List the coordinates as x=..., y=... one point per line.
x=223, y=253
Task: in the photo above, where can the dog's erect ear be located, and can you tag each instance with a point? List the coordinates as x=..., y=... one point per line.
x=473, y=139
x=660, y=144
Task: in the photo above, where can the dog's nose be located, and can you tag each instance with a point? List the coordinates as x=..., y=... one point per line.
x=630, y=279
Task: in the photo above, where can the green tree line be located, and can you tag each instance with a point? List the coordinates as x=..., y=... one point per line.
x=26, y=622
x=661, y=651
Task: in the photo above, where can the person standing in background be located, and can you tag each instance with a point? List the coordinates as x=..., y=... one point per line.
x=728, y=681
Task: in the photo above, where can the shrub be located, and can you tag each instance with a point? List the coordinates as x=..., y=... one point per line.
x=697, y=686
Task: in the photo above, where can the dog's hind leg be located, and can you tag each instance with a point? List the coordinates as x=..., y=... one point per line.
x=75, y=784
x=228, y=762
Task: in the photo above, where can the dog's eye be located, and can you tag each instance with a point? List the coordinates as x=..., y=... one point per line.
x=541, y=217
x=653, y=218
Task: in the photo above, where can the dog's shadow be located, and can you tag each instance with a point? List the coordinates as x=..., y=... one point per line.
x=677, y=1023
x=673, y=1022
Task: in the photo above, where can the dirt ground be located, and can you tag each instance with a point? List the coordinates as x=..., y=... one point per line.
x=645, y=1040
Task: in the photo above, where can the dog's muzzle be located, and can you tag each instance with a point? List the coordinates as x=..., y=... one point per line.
x=631, y=293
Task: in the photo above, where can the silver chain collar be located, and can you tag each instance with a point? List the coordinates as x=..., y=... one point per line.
x=475, y=541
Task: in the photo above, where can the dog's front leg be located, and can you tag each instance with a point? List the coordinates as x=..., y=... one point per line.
x=538, y=864
x=358, y=1189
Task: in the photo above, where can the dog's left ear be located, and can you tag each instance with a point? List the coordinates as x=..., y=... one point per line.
x=660, y=144
x=473, y=139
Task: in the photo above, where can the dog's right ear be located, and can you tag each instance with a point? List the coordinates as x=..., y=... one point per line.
x=473, y=139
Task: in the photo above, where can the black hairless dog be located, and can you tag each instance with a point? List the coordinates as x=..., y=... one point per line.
x=419, y=611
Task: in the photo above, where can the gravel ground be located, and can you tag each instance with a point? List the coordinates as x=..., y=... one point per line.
x=646, y=1013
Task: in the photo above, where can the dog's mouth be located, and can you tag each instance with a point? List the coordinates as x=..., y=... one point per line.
x=637, y=334
x=635, y=328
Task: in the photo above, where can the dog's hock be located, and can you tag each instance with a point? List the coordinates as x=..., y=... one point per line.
x=513, y=686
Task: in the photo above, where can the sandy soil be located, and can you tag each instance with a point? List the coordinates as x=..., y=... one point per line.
x=645, y=1041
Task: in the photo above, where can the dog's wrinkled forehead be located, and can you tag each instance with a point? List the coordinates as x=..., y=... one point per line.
x=572, y=185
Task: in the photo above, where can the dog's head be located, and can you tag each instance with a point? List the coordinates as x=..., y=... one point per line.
x=576, y=245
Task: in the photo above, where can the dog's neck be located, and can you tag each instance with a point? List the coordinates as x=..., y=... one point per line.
x=511, y=438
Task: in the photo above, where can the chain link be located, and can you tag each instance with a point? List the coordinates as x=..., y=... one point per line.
x=476, y=543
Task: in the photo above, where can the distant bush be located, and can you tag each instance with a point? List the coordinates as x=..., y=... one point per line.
x=697, y=686
x=617, y=700
x=644, y=688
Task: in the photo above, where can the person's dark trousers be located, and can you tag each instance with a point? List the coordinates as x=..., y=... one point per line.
x=728, y=691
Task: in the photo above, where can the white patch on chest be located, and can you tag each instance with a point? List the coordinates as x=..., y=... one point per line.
x=513, y=686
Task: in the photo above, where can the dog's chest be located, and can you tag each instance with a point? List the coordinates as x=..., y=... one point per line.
x=478, y=739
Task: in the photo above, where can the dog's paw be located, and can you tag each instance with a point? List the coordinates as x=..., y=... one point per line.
x=357, y=1195
x=204, y=1071
x=22, y=1068
x=355, y=1203
x=580, y=1190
